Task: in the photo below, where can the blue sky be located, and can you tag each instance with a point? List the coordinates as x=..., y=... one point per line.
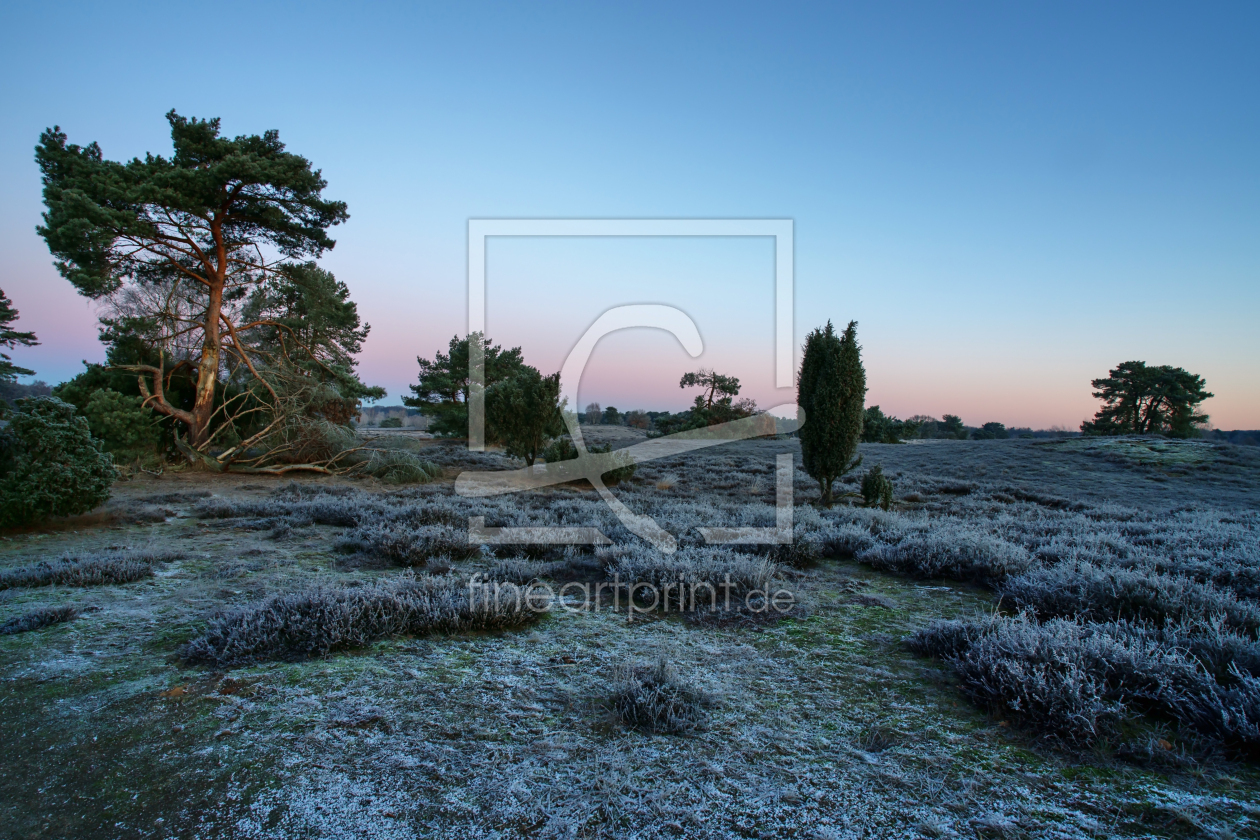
x=1009, y=198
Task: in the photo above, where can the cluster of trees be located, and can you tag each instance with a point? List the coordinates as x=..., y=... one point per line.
x=227, y=345
x=225, y=341
x=523, y=407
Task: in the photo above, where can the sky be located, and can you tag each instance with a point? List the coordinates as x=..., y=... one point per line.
x=1010, y=199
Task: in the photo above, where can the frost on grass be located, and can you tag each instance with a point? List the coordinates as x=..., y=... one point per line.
x=38, y=618
x=323, y=619
x=653, y=698
x=102, y=570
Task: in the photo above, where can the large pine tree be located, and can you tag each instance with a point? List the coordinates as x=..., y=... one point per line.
x=181, y=243
x=831, y=391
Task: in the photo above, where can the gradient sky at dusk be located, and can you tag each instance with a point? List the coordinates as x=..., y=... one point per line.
x=1009, y=198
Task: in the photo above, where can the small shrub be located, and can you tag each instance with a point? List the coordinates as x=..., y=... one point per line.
x=122, y=423
x=405, y=545
x=320, y=620
x=652, y=698
x=1090, y=593
x=398, y=466
x=617, y=474
x=876, y=488
x=560, y=449
x=392, y=423
x=952, y=553
x=700, y=572
x=49, y=464
x=109, y=569
x=38, y=618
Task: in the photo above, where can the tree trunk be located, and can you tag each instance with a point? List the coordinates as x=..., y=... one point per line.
x=208, y=370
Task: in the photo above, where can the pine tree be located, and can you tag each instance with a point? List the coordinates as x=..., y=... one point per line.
x=10, y=337
x=831, y=391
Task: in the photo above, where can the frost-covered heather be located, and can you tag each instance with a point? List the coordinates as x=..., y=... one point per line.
x=110, y=567
x=38, y=618
x=699, y=573
x=324, y=619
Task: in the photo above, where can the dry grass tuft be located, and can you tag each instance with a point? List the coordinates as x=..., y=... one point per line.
x=652, y=698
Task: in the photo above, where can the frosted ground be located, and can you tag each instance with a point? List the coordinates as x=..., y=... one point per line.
x=822, y=724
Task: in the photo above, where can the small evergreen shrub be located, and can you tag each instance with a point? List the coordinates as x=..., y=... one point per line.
x=1087, y=592
x=392, y=423
x=49, y=464
x=560, y=449
x=877, y=489
x=404, y=545
x=121, y=423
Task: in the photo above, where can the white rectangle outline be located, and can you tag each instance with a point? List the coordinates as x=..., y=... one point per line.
x=479, y=229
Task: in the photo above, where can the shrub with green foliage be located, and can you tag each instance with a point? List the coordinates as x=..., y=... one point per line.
x=391, y=423
x=49, y=464
x=122, y=423
x=991, y=431
x=831, y=390
x=878, y=427
x=876, y=488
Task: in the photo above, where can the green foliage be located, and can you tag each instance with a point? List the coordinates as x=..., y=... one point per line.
x=392, y=423
x=398, y=466
x=122, y=423
x=49, y=464
x=716, y=405
x=619, y=474
x=443, y=388
x=306, y=313
x=611, y=417
x=717, y=387
x=1148, y=400
x=952, y=426
x=877, y=489
x=179, y=245
x=991, y=431
x=9, y=338
x=831, y=390
x=524, y=412
x=878, y=427
x=560, y=449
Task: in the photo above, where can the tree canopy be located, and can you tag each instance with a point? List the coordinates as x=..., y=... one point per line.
x=10, y=338
x=1138, y=399
x=199, y=259
x=444, y=384
x=831, y=391
x=523, y=412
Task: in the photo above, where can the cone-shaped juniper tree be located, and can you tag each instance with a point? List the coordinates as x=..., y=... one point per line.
x=831, y=390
